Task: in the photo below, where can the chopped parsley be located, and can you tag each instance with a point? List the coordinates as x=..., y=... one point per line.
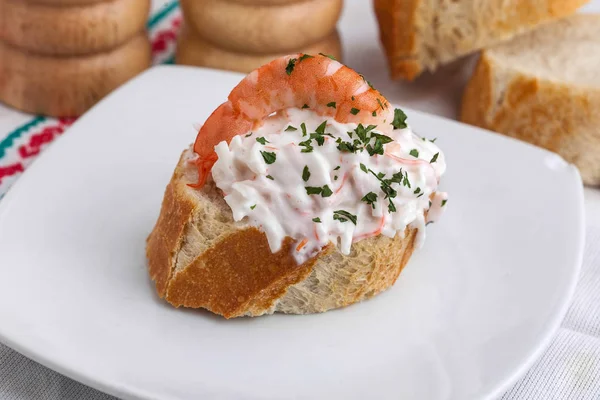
x=374, y=113
x=343, y=216
x=253, y=207
x=433, y=140
x=326, y=191
x=304, y=57
x=317, y=220
x=269, y=157
x=328, y=56
x=262, y=140
x=335, y=178
x=414, y=153
x=434, y=158
x=391, y=206
x=352, y=98
x=370, y=198
x=305, y=173
x=417, y=190
x=399, y=121
x=290, y=66
x=307, y=146
x=444, y=202
x=321, y=128
x=354, y=111
x=291, y=128
x=364, y=168
x=270, y=177
x=338, y=167
x=303, y=127
x=305, y=106
x=250, y=134
x=380, y=104
x=310, y=190
x=332, y=104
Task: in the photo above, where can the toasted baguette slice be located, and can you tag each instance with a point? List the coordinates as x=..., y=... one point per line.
x=544, y=88
x=420, y=35
x=200, y=258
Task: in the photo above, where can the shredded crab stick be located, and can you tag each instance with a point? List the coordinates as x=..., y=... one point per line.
x=305, y=148
x=317, y=82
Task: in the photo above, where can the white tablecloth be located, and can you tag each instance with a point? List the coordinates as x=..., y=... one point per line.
x=570, y=369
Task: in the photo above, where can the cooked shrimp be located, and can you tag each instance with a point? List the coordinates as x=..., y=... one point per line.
x=302, y=81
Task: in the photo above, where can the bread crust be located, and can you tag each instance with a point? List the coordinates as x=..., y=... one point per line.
x=418, y=35
x=555, y=115
x=262, y=29
x=193, y=50
x=67, y=86
x=234, y=273
x=74, y=28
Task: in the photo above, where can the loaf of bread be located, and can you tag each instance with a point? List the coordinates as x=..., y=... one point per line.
x=199, y=257
x=420, y=35
x=544, y=88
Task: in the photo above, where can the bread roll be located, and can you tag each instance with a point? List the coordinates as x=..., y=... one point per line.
x=420, y=35
x=195, y=249
x=544, y=88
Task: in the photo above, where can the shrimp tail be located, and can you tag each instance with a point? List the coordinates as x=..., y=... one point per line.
x=222, y=125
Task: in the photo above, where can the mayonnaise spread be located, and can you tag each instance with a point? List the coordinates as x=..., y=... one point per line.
x=318, y=181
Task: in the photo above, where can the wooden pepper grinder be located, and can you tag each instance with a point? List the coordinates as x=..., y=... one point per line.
x=242, y=35
x=60, y=57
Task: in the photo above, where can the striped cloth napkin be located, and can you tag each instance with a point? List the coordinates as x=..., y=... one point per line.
x=570, y=368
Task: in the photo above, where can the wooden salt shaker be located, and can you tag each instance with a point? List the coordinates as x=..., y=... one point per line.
x=241, y=35
x=60, y=57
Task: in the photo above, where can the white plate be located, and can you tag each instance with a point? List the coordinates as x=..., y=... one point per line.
x=471, y=312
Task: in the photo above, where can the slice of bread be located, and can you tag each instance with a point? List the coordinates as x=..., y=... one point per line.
x=200, y=258
x=544, y=88
x=420, y=35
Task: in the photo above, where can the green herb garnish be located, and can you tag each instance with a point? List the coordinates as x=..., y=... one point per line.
x=262, y=140
x=303, y=127
x=290, y=66
x=338, y=167
x=313, y=190
x=434, y=158
x=253, y=207
x=290, y=128
x=250, y=134
x=354, y=111
x=305, y=173
x=444, y=202
x=304, y=57
x=414, y=153
x=270, y=177
x=317, y=220
x=269, y=157
x=370, y=198
x=328, y=56
x=305, y=106
x=364, y=168
x=343, y=216
x=399, y=121
x=332, y=104
x=326, y=191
